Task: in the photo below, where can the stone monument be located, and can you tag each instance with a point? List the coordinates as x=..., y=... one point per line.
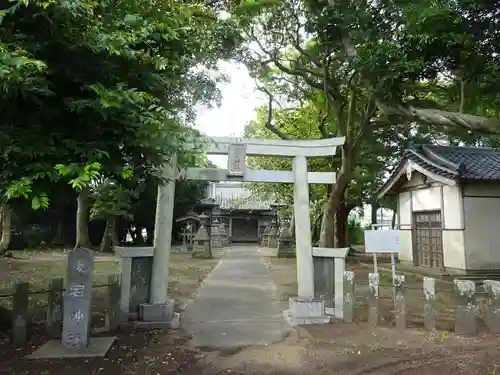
x=77, y=313
x=286, y=243
x=202, y=247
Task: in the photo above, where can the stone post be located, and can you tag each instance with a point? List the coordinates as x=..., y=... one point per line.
x=303, y=228
x=349, y=296
x=20, y=313
x=399, y=301
x=273, y=234
x=465, y=314
x=492, y=287
x=55, y=307
x=163, y=235
x=286, y=247
x=429, y=286
x=202, y=247
x=215, y=235
x=373, y=302
x=113, y=311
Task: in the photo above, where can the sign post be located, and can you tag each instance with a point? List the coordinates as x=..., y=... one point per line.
x=383, y=241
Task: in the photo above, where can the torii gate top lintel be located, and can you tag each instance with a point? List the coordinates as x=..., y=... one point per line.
x=275, y=147
x=238, y=148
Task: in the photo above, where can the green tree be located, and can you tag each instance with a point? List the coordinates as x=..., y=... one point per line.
x=90, y=89
x=369, y=61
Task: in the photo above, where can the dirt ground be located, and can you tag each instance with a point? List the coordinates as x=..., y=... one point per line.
x=135, y=351
x=356, y=348
x=338, y=348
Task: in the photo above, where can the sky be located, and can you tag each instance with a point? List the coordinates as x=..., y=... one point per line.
x=239, y=101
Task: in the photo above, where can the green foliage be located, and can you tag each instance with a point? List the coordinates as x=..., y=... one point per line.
x=355, y=232
x=101, y=90
x=111, y=199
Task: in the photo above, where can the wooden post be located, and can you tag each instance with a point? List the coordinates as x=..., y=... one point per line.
x=349, y=297
x=20, y=313
x=429, y=287
x=492, y=287
x=373, y=302
x=399, y=301
x=55, y=307
x=113, y=312
x=465, y=315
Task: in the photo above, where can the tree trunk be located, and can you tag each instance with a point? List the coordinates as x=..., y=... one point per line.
x=327, y=238
x=58, y=237
x=109, y=237
x=6, y=230
x=82, y=219
x=374, y=207
x=341, y=224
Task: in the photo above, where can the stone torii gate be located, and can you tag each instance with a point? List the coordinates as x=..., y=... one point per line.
x=237, y=149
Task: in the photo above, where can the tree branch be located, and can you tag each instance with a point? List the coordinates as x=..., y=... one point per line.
x=269, y=125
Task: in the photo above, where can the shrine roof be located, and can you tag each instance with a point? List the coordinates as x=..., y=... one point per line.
x=236, y=196
x=447, y=164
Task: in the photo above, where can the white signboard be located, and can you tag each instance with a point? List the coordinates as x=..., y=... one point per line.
x=236, y=159
x=382, y=241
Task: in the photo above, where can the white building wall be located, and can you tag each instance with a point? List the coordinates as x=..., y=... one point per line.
x=422, y=195
x=482, y=225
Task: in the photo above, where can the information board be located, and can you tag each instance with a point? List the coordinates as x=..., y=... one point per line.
x=382, y=241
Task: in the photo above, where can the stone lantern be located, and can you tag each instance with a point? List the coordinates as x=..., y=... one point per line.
x=202, y=247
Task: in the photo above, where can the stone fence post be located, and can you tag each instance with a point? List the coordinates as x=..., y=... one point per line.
x=492, y=287
x=373, y=298
x=349, y=296
x=399, y=301
x=465, y=314
x=20, y=313
x=429, y=288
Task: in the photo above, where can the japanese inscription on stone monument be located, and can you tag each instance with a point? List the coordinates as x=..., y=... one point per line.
x=78, y=299
x=236, y=159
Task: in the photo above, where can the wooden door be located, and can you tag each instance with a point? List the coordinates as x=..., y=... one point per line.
x=245, y=230
x=428, y=239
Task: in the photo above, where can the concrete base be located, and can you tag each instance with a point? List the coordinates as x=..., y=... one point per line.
x=306, y=311
x=174, y=323
x=163, y=312
x=98, y=347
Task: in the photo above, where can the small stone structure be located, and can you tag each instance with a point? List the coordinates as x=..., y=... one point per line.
x=216, y=239
x=223, y=235
x=286, y=242
x=329, y=267
x=265, y=236
x=273, y=235
x=137, y=272
x=75, y=342
x=202, y=247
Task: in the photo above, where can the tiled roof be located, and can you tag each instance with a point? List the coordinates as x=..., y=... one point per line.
x=451, y=162
x=235, y=196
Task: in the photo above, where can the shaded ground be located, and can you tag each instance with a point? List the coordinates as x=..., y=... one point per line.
x=136, y=352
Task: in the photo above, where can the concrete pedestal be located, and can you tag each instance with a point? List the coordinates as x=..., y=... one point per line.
x=306, y=310
x=158, y=315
